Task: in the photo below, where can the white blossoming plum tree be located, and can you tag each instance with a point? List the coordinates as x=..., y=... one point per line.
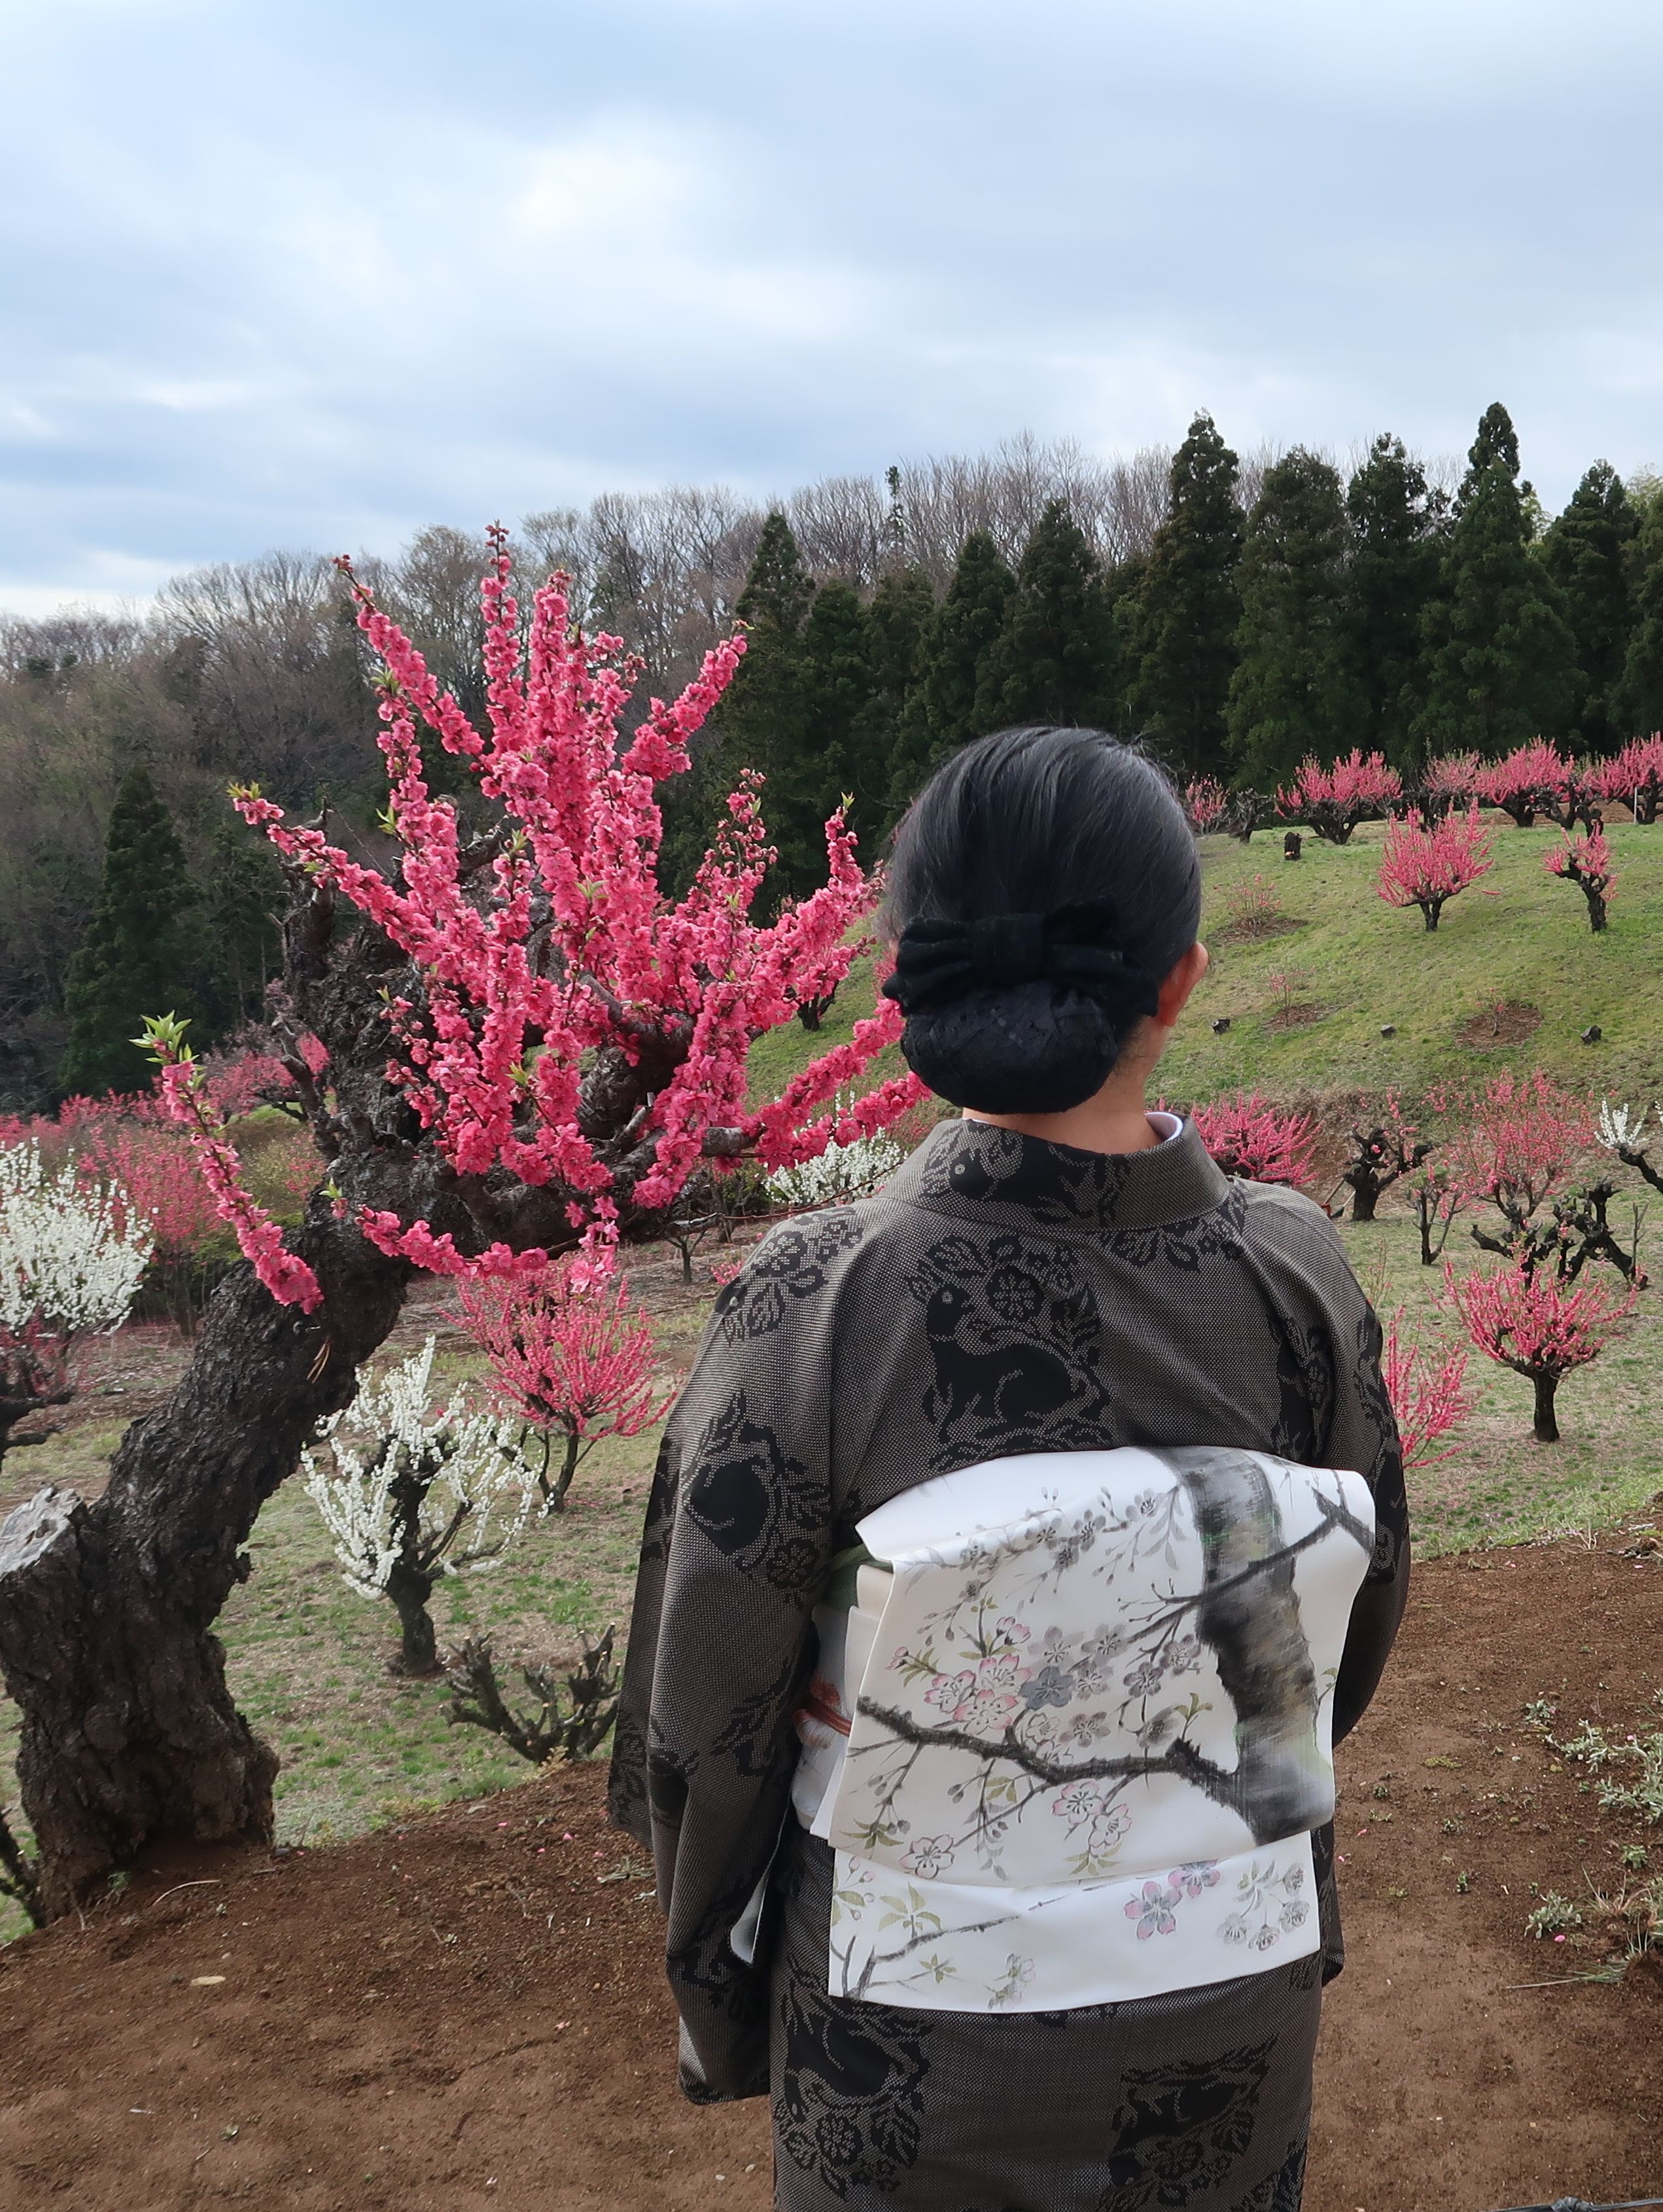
x=410, y=1492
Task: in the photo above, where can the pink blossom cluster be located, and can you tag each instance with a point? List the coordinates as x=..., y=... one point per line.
x=287, y=1276
x=1335, y=799
x=1527, y=781
x=1428, y=1390
x=1516, y=1137
x=1452, y=779
x=1634, y=777
x=509, y=1005
x=1204, y=801
x=568, y=1356
x=1426, y=863
x=1248, y=1136
x=1583, y=858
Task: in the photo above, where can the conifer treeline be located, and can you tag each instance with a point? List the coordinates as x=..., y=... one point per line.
x=1235, y=614
x=1380, y=612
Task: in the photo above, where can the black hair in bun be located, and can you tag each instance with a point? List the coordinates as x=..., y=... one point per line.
x=1041, y=885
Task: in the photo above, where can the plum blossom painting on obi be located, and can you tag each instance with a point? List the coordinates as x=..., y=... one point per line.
x=1092, y=1728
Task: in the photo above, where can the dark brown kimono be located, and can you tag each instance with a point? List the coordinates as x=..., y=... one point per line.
x=1001, y=1295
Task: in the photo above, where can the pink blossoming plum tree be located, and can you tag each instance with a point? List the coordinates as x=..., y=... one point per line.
x=522, y=1049
x=1427, y=864
x=1427, y=1386
x=1335, y=799
x=1249, y=1136
x=1532, y=778
x=1634, y=776
x=575, y=1361
x=1527, y=1319
x=1585, y=860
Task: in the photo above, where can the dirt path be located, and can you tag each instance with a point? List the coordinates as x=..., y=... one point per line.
x=468, y=2011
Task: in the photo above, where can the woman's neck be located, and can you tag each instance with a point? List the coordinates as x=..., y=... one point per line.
x=1113, y=1120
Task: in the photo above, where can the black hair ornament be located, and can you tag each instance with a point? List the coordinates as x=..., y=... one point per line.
x=1075, y=947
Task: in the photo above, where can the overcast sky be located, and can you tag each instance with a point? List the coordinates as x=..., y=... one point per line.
x=311, y=275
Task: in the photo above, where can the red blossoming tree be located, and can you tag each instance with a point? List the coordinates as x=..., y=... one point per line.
x=574, y=1360
x=1451, y=781
x=1248, y=1136
x=1527, y=1319
x=1515, y=1141
x=1205, y=801
x=525, y=1049
x=1428, y=1390
x=1585, y=861
x=1634, y=777
x=1333, y=800
x=1427, y=864
x=1531, y=779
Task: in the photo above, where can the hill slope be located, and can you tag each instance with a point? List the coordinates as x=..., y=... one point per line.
x=1347, y=965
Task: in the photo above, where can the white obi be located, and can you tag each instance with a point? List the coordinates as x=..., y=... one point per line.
x=1072, y=1740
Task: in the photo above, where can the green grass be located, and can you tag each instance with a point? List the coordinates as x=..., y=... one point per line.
x=1499, y=1485
x=1365, y=964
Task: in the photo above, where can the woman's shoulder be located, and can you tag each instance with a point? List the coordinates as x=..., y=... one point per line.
x=1278, y=1220
x=801, y=1266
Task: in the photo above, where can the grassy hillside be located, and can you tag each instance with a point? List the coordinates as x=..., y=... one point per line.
x=1306, y=1005
x=1356, y=964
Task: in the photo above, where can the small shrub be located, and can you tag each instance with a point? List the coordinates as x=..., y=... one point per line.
x=1253, y=910
x=1553, y=1915
x=592, y=1698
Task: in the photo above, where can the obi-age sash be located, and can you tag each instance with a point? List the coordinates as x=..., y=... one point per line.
x=1071, y=1739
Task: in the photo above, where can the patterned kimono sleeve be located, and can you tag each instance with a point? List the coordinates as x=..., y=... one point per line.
x=721, y=1645
x=1362, y=1434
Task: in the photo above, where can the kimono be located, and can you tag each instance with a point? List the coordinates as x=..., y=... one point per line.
x=1001, y=1299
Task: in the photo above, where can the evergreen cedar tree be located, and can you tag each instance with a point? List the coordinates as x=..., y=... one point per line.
x=1397, y=529
x=1293, y=694
x=1188, y=610
x=1587, y=552
x=1638, y=703
x=953, y=656
x=145, y=949
x=1500, y=658
x=1054, y=658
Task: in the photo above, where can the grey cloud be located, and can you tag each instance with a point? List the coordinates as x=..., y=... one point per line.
x=310, y=277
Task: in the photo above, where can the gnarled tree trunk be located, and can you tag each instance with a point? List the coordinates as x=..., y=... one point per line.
x=107, y=1610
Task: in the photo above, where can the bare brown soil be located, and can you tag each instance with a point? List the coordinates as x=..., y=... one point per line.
x=468, y=2011
x=1511, y=1023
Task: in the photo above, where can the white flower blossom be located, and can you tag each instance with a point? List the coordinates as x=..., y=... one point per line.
x=65, y=1265
x=471, y=1477
x=1623, y=1130
x=841, y=1173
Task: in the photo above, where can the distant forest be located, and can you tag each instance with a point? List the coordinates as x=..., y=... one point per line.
x=1234, y=616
